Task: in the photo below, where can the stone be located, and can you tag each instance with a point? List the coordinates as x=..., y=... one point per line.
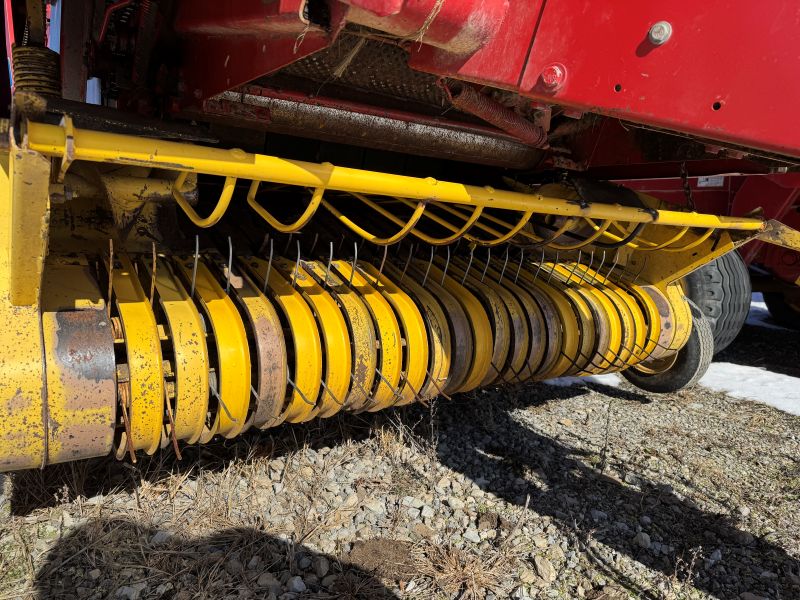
x=599, y=515
x=544, y=568
x=744, y=510
x=233, y=566
x=160, y=537
x=716, y=555
x=642, y=540
x=526, y=575
x=329, y=580
x=455, y=503
x=565, y=422
x=645, y=520
x=751, y=596
x=296, y=585
x=95, y=574
x=269, y=580
x=427, y=512
x=411, y=502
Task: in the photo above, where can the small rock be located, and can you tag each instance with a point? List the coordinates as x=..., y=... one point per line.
x=412, y=502
x=321, y=566
x=716, y=555
x=599, y=515
x=642, y=540
x=565, y=422
x=526, y=575
x=95, y=574
x=544, y=568
x=472, y=535
x=751, y=596
x=268, y=580
x=645, y=520
x=304, y=563
x=427, y=512
x=233, y=566
x=455, y=503
x=329, y=580
x=253, y=563
x=296, y=585
x=745, y=538
x=160, y=537
x=744, y=510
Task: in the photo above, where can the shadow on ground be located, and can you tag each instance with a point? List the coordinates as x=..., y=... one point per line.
x=494, y=449
x=776, y=350
x=120, y=558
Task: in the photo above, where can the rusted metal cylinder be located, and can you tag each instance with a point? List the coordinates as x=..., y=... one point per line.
x=471, y=101
x=375, y=128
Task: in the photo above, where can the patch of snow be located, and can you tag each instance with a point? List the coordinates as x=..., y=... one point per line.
x=759, y=314
x=609, y=379
x=751, y=383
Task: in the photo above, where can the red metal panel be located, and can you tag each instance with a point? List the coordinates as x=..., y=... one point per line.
x=728, y=72
x=500, y=62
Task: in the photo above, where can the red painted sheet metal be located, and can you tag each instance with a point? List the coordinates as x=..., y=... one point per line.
x=728, y=72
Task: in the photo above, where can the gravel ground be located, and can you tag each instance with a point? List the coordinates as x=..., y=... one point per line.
x=541, y=491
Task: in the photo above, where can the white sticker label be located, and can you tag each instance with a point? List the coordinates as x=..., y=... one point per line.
x=711, y=181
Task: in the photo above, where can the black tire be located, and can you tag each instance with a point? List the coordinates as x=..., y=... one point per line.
x=691, y=364
x=784, y=312
x=721, y=289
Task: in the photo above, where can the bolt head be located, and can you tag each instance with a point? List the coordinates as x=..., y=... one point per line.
x=659, y=33
x=553, y=76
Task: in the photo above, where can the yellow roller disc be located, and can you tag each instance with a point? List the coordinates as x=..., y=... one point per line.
x=190, y=354
x=683, y=315
x=537, y=328
x=303, y=346
x=232, y=391
x=415, y=335
x=519, y=342
x=390, y=362
x=267, y=347
x=652, y=322
x=337, y=352
x=362, y=334
x=461, y=334
x=145, y=409
x=483, y=340
x=570, y=331
x=438, y=330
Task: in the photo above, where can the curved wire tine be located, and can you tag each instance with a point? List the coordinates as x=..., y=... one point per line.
x=328, y=268
x=153, y=276
x=383, y=262
x=263, y=247
x=539, y=268
x=269, y=267
x=505, y=264
x=553, y=268
x=436, y=385
x=296, y=266
x=111, y=276
x=314, y=244
x=355, y=263
x=214, y=390
x=288, y=243
x=230, y=267
x=428, y=270
x=614, y=266
x=395, y=390
x=585, y=272
x=417, y=397
x=408, y=261
x=341, y=243
x=644, y=264
x=298, y=390
x=194, y=262
x=574, y=266
x=597, y=272
x=469, y=264
x=330, y=393
x=446, y=266
x=519, y=266
x=488, y=260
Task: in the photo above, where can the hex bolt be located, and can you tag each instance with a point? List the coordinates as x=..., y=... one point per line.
x=660, y=33
x=553, y=76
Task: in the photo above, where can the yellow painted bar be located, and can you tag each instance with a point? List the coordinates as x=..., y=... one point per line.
x=98, y=146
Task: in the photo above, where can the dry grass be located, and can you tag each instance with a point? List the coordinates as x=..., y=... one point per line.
x=460, y=573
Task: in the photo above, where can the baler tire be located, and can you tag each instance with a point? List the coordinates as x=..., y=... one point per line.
x=784, y=312
x=691, y=364
x=722, y=290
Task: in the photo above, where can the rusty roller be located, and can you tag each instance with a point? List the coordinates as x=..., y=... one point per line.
x=124, y=333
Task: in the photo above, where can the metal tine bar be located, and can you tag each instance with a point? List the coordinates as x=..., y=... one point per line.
x=298, y=390
x=330, y=393
x=436, y=385
x=127, y=424
x=599, y=269
x=519, y=266
x=153, y=276
x=417, y=397
x=328, y=268
x=395, y=390
x=263, y=247
x=505, y=264
x=194, y=262
x=296, y=266
x=574, y=266
x=359, y=384
x=614, y=266
x=110, y=274
x=428, y=270
x=446, y=265
x=644, y=264
x=288, y=243
x=469, y=264
x=269, y=267
x=221, y=403
x=488, y=260
x=408, y=261
x=355, y=263
x=341, y=243
x=314, y=244
x=230, y=266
